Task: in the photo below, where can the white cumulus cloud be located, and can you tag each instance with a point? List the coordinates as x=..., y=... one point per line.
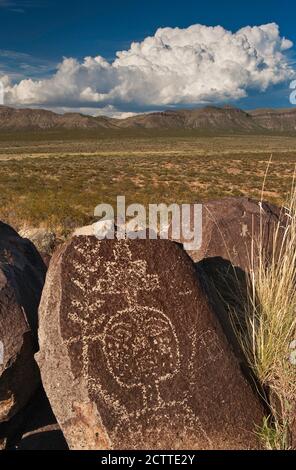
x=176, y=66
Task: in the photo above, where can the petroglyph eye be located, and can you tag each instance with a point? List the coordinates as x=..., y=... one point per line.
x=157, y=329
x=121, y=333
x=140, y=346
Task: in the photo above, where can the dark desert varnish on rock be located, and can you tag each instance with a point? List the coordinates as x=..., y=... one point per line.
x=132, y=356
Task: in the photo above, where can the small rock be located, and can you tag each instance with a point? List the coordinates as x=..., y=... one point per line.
x=44, y=240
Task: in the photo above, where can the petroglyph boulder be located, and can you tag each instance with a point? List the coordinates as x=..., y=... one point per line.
x=229, y=225
x=22, y=274
x=131, y=355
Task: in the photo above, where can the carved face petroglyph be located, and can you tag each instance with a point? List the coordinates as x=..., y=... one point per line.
x=141, y=347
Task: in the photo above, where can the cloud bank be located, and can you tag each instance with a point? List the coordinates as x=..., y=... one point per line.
x=198, y=64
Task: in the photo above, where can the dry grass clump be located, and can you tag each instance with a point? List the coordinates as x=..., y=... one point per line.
x=268, y=335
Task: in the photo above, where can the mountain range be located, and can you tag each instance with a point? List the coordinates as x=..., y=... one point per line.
x=210, y=119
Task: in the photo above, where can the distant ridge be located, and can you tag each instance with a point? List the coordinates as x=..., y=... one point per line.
x=42, y=119
x=283, y=120
x=210, y=118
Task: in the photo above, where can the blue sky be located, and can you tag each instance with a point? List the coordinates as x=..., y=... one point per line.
x=36, y=35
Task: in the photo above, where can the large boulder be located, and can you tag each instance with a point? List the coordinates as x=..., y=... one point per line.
x=22, y=274
x=132, y=356
x=236, y=233
x=234, y=228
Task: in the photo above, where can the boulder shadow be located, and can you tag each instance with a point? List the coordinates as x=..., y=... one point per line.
x=226, y=288
x=34, y=427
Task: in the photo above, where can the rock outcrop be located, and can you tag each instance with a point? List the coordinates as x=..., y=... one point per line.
x=22, y=274
x=132, y=356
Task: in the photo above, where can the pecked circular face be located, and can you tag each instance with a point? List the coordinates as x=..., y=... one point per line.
x=141, y=347
x=146, y=348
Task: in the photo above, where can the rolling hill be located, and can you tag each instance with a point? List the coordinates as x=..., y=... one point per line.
x=211, y=119
x=208, y=118
x=41, y=119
